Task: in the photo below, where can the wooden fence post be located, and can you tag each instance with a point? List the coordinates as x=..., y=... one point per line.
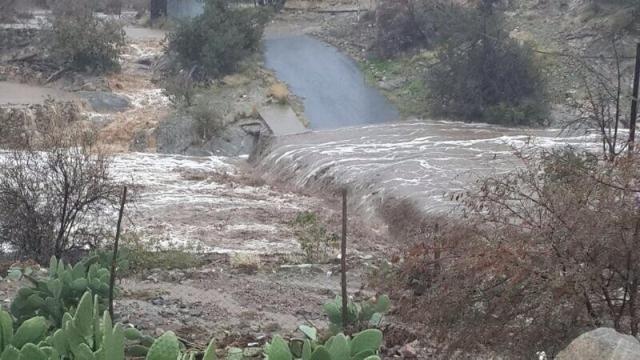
x=343, y=260
x=114, y=260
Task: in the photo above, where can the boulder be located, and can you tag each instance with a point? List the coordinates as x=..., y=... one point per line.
x=177, y=135
x=105, y=102
x=602, y=344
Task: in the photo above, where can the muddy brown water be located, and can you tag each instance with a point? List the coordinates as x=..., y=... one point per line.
x=20, y=94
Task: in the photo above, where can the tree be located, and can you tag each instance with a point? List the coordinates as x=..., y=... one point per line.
x=158, y=9
x=81, y=41
x=602, y=99
x=53, y=196
x=481, y=74
x=216, y=41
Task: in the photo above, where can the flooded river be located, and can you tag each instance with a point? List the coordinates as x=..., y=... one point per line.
x=334, y=91
x=420, y=160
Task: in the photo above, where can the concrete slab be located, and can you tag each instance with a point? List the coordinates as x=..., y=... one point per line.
x=282, y=120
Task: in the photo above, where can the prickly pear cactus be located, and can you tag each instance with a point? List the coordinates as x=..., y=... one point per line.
x=61, y=290
x=166, y=347
x=359, y=315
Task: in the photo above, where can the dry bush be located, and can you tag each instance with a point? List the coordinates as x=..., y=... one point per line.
x=279, y=92
x=541, y=255
x=603, y=100
x=207, y=117
x=54, y=195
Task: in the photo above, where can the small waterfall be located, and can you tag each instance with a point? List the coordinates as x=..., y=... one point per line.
x=421, y=161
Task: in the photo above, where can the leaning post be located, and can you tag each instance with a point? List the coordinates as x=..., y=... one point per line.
x=343, y=259
x=114, y=259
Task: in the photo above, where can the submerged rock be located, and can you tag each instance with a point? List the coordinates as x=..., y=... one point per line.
x=602, y=344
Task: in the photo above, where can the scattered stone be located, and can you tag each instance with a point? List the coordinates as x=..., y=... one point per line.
x=408, y=351
x=391, y=84
x=158, y=301
x=145, y=60
x=602, y=344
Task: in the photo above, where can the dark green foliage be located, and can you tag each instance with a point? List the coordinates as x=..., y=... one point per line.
x=407, y=25
x=84, y=42
x=483, y=75
x=61, y=290
x=216, y=41
x=493, y=81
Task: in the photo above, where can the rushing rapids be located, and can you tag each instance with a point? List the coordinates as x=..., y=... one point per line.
x=421, y=160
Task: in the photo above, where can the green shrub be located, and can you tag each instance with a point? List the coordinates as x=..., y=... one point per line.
x=317, y=243
x=484, y=75
x=216, y=41
x=403, y=26
x=84, y=42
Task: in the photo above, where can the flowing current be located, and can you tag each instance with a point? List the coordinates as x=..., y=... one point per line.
x=424, y=161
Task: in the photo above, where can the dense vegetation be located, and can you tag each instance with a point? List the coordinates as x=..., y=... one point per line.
x=63, y=317
x=83, y=42
x=478, y=72
x=213, y=43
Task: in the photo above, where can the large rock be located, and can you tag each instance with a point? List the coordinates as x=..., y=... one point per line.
x=105, y=102
x=602, y=344
x=177, y=135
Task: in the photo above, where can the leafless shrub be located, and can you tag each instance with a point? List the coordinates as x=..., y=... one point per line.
x=540, y=255
x=603, y=99
x=53, y=196
x=180, y=88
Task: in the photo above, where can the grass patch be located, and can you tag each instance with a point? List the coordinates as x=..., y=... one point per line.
x=166, y=259
x=135, y=256
x=246, y=262
x=401, y=80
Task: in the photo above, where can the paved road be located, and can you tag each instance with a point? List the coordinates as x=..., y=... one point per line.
x=334, y=90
